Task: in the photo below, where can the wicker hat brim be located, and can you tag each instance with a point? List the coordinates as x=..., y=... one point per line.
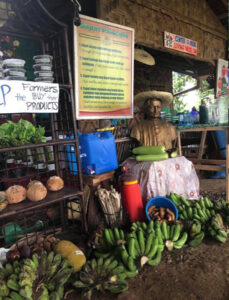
x=143, y=57
x=165, y=98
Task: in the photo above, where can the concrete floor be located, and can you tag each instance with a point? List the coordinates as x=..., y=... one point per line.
x=218, y=185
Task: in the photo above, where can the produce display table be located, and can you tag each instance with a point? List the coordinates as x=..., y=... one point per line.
x=160, y=178
x=208, y=164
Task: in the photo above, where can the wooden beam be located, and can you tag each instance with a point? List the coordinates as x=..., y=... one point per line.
x=203, y=129
x=209, y=168
x=208, y=161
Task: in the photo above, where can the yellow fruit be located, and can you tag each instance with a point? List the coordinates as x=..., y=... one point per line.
x=74, y=254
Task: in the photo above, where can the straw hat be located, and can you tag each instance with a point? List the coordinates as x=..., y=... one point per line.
x=165, y=98
x=144, y=57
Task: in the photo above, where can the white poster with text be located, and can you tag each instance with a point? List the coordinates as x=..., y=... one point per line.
x=28, y=97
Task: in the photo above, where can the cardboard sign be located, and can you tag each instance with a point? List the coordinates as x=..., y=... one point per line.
x=28, y=97
x=180, y=43
x=104, y=56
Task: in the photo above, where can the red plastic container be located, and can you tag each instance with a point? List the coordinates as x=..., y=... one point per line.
x=132, y=200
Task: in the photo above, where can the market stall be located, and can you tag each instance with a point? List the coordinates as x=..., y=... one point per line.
x=82, y=212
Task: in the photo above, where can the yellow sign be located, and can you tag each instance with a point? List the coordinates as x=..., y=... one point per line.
x=104, y=54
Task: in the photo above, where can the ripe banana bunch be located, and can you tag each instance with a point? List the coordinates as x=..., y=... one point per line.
x=216, y=229
x=43, y=276
x=101, y=274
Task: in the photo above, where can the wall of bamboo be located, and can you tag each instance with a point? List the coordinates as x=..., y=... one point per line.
x=189, y=18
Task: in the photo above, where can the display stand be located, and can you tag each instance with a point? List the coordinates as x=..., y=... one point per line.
x=208, y=164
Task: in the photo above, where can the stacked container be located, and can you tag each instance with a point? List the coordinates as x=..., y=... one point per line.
x=13, y=69
x=43, y=68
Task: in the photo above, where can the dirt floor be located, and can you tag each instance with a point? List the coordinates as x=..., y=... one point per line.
x=190, y=273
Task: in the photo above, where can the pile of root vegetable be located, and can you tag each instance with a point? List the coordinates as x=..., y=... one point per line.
x=121, y=255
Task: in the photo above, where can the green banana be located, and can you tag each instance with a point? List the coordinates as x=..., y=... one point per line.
x=112, y=236
x=197, y=240
x=131, y=274
x=185, y=214
x=131, y=247
x=176, y=234
x=156, y=260
x=108, y=237
x=130, y=264
x=148, y=244
x=15, y=296
x=13, y=285
x=100, y=254
x=185, y=201
x=116, y=234
x=180, y=243
x=122, y=235
x=220, y=237
x=141, y=241
x=154, y=248
x=159, y=236
x=93, y=263
x=124, y=256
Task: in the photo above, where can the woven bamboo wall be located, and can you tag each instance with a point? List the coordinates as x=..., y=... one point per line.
x=150, y=18
x=151, y=78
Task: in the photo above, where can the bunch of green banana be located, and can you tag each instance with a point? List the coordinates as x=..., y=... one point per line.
x=201, y=210
x=141, y=226
x=173, y=235
x=9, y=276
x=43, y=275
x=101, y=274
x=221, y=205
x=216, y=229
x=146, y=244
x=108, y=244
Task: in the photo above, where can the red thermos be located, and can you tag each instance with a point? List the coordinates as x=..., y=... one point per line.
x=132, y=200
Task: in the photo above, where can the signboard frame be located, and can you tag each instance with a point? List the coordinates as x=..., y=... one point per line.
x=181, y=44
x=111, y=113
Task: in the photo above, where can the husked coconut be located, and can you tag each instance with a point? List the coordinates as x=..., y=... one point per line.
x=55, y=183
x=36, y=192
x=15, y=194
x=32, y=182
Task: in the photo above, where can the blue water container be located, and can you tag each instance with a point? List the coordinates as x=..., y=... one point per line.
x=70, y=150
x=98, y=151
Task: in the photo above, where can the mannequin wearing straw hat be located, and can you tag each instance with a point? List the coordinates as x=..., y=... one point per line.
x=152, y=130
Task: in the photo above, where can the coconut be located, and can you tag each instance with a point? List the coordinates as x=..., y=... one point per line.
x=32, y=182
x=36, y=192
x=55, y=183
x=15, y=194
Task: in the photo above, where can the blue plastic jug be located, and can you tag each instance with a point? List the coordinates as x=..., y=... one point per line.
x=99, y=152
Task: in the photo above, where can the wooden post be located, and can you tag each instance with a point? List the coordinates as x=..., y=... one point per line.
x=227, y=163
x=179, y=143
x=202, y=144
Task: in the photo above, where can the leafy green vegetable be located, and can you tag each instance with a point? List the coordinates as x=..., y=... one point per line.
x=21, y=133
